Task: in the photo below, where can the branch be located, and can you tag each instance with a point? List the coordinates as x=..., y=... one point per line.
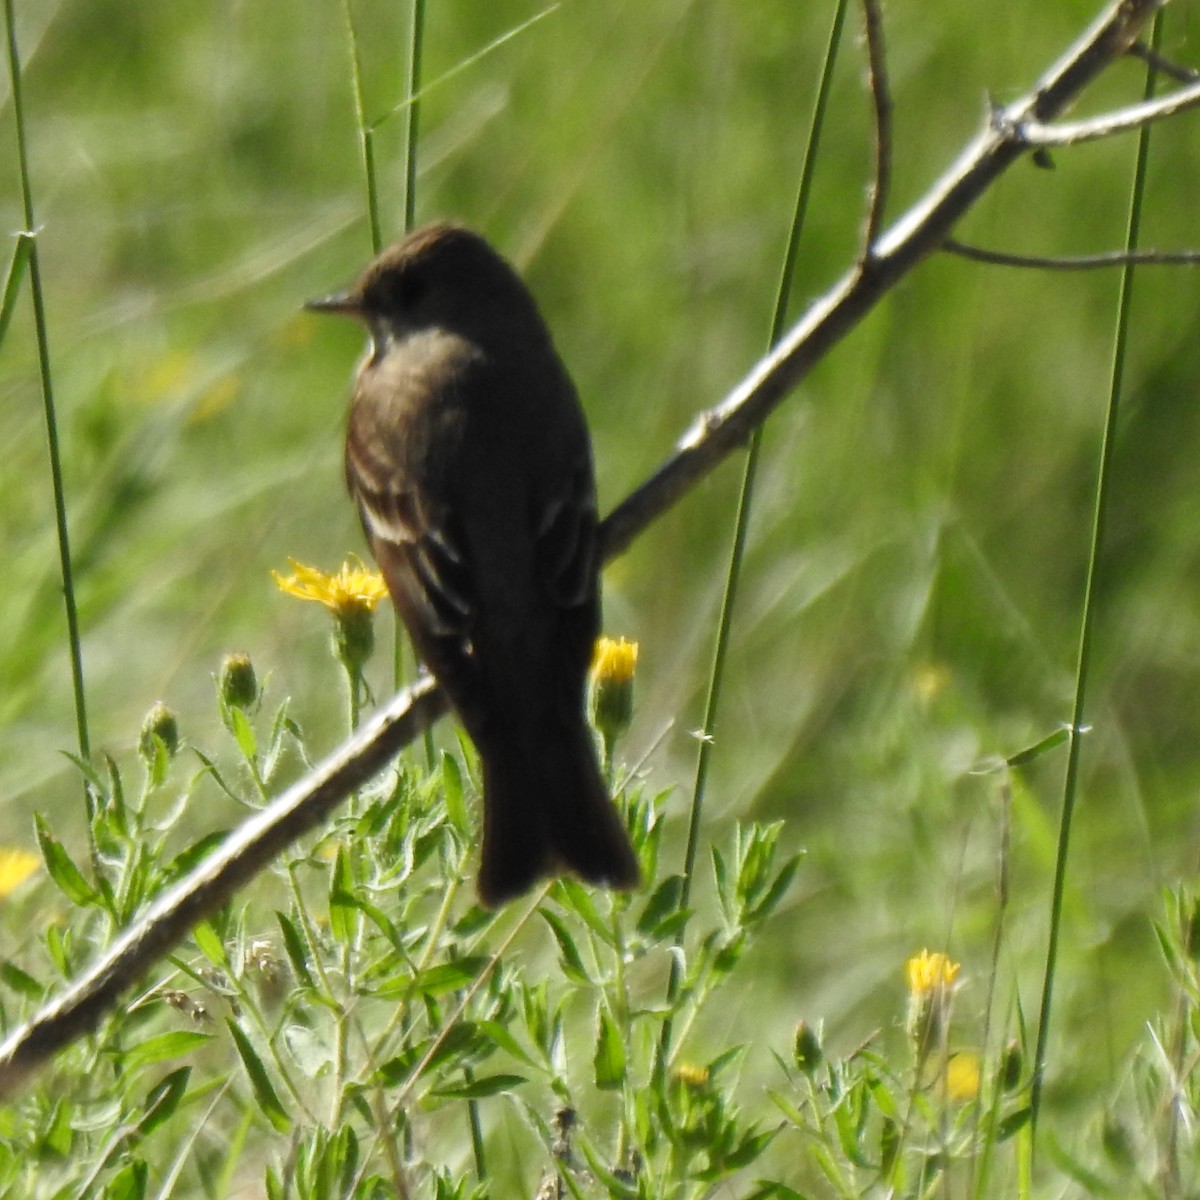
x=919, y=233
x=881, y=100
x=1161, y=63
x=1135, y=116
x=1076, y=262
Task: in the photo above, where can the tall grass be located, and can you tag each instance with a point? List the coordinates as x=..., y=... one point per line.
x=939, y=555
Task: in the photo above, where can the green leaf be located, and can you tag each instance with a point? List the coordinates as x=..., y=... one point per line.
x=1049, y=742
x=609, y=1059
x=58, y=946
x=244, y=734
x=1013, y=1123
x=779, y=886
x=210, y=768
x=90, y=774
x=296, y=950
x=721, y=878
x=264, y=1092
x=162, y=1046
x=20, y=982
x=500, y=1037
x=458, y=1042
x=279, y=726
x=210, y=945
x=129, y=1183
x=341, y=899
x=193, y=855
x=477, y=1089
x=343, y=1152
x=663, y=903
x=12, y=281
x=452, y=788
x=449, y=977
x=749, y=1148
x=396, y=1070
x=62, y=870
x=571, y=962
x=163, y=1099
x=766, y=1190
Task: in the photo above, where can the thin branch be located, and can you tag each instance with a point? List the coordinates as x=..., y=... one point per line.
x=919, y=233
x=245, y=852
x=1076, y=262
x=881, y=101
x=1123, y=120
x=1160, y=62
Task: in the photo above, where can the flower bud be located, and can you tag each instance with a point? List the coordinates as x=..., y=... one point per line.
x=237, y=682
x=159, y=728
x=806, y=1048
x=611, y=688
x=1011, y=1066
x=353, y=637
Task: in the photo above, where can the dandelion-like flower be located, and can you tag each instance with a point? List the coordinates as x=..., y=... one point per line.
x=16, y=866
x=963, y=1077
x=929, y=972
x=352, y=587
x=351, y=594
x=931, y=977
x=610, y=689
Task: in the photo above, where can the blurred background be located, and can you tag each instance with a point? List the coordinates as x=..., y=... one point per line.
x=911, y=601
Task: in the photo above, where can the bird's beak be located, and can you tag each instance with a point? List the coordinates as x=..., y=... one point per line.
x=346, y=303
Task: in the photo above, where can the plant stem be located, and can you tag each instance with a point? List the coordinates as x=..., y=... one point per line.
x=43, y=345
x=1087, y=623
x=742, y=517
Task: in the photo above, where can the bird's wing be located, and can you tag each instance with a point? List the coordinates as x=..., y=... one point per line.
x=565, y=539
x=414, y=536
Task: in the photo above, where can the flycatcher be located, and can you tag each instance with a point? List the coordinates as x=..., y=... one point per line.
x=469, y=458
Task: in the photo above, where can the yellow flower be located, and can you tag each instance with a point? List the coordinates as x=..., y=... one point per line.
x=931, y=979
x=962, y=1076
x=691, y=1075
x=354, y=587
x=930, y=972
x=614, y=661
x=351, y=595
x=16, y=866
x=611, y=689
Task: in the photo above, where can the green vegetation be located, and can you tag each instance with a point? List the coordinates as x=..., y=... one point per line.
x=887, y=762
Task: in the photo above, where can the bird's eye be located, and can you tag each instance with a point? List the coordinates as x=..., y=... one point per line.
x=409, y=289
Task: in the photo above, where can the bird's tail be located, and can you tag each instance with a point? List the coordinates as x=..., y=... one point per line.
x=548, y=812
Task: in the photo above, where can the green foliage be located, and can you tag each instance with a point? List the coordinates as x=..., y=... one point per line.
x=356, y=1040
x=899, y=671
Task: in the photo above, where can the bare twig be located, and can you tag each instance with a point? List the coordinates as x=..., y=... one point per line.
x=1076, y=262
x=881, y=101
x=1161, y=63
x=920, y=232
x=1123, y=120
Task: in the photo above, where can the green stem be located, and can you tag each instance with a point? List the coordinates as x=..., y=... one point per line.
x=366, y=133
x=742, y=518
x=43, y=344
x=413, y=89
x=1087, y=624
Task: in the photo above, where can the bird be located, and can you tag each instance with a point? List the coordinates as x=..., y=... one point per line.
x=469, y=459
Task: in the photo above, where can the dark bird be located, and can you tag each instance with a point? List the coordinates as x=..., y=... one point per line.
x=469, y=458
